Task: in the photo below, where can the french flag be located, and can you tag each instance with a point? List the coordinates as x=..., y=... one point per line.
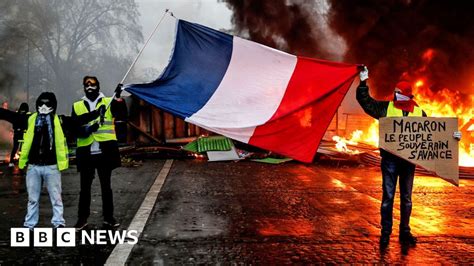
x=249, y=92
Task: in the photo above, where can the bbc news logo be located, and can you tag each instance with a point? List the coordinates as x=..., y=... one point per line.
x=66, y=237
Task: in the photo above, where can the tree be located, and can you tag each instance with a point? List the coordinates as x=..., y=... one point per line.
x=73, y=39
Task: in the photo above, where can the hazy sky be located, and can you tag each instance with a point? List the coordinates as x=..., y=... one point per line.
x=207, y=12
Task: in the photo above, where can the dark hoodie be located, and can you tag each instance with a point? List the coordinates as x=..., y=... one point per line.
x=43, y=151
x=21, y=125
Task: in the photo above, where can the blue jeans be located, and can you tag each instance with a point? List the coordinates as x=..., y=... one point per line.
x=51, y=176
x=392, y=168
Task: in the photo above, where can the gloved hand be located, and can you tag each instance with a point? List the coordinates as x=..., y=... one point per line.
x=101, y=110
x=457, y=135
x=364, y=74
x=118, y=90
x=92, y=128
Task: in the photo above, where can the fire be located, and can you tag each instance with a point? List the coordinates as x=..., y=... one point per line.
x=341, y=142
x=419, y=83
x=449, y=103
x=444, y=103
x=372, y=136
x=428, y=55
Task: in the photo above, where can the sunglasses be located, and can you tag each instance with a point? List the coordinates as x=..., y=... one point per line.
x=45, y=102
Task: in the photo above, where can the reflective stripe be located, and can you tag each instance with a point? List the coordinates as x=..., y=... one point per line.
x=108, y=122
x=392, y=111
x=104, y=131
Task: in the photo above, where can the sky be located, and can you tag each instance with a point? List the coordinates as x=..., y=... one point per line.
x=156, y=55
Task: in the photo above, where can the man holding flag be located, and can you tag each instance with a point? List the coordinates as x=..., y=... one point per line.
x=97, y=149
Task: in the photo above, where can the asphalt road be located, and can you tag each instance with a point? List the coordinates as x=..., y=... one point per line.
x=253, y=213
x=247, y=212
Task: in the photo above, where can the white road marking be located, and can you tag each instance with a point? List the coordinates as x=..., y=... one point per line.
x=120, y=253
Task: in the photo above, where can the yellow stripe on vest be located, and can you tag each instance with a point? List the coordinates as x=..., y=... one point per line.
x=392, y=111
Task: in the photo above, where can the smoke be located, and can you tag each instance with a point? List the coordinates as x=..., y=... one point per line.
x=294, y=26
x=409, y=39
x=12, y=59
x=396, y=39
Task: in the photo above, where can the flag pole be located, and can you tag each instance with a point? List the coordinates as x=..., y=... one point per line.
x=140, y=52
x=143, y=48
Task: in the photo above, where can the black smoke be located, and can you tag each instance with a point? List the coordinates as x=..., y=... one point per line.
x=291, y=26
x=391, y=37
x=394, y=38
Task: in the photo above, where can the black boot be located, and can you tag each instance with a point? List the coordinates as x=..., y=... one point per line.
x=80, y=224
x=407, y=239
x=111, y=222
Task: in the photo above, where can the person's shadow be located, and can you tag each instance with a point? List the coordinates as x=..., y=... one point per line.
x=405, y=248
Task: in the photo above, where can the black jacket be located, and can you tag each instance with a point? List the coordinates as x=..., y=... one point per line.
x=19, y=121
x=110, y=156
x=43, y=151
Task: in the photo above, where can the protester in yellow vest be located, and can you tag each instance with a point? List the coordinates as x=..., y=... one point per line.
x=97, y=149
x=392, y=166
x=46, y=153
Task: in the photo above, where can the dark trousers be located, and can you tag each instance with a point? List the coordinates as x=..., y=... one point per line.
x=87, y=176
x=392, y=168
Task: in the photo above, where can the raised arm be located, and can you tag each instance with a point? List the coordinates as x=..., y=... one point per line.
x=10, y=116
x=372, y=107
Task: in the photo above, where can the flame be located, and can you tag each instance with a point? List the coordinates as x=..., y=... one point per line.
x=428, y=55
x=341, y=142
x=444, y=103
x=419, y=83
x=450, y=103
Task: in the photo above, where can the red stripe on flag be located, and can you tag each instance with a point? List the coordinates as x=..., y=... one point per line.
x=315, y=91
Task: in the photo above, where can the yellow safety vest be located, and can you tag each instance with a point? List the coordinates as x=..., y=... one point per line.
x=60, y=144
x=392, y=111
x=105, y=132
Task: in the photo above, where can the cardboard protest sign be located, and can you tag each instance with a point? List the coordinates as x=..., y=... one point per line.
x=425, y=141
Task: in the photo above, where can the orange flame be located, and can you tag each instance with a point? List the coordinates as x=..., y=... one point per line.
x=442, y=103
x=449, y=103
x=341, y=142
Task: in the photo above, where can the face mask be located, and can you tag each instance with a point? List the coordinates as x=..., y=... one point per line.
x=44, y=110
x=401, y=97
x=92, y=92
x=91, y=88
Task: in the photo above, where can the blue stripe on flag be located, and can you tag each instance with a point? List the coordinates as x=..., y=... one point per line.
x=198, y=64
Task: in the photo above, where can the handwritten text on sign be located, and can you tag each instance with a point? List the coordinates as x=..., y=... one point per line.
x=425, y=141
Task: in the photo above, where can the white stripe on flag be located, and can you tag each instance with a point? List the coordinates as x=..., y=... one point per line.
x=251, y=90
